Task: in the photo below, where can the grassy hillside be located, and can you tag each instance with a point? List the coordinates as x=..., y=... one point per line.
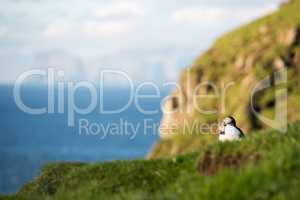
x=240, y=59
x=263, y=166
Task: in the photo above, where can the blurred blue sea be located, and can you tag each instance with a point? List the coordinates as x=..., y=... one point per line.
x=28, y=142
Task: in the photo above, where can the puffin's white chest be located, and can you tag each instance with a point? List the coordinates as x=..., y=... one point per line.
x=231, y=133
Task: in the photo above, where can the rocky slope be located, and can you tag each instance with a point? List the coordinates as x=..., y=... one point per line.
x=228, y=80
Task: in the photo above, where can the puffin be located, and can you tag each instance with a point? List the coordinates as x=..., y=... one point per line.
x=228, y=131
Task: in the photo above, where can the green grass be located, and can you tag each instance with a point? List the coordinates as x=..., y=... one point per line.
x=263, y=166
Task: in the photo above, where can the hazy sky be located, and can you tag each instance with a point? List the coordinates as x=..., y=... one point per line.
x=148, y=39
